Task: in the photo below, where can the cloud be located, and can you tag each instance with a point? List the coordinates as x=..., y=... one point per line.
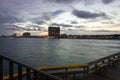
x=7, y=19
x=84, y=2
x=87, y=14
x=88, y=2
x=81, y=26
x=108, y=22
x=103, y=31
x=107, y=1
x=46, y=16
x=62, y=24
x=14, y=27
x=25, y=28
x=74, y=22
x=57, y=12
x=61, y=1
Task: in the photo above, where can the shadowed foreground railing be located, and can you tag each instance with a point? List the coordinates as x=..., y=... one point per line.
x=65, y=72
x=101, y=64
x=30, y=73
x=68, y=72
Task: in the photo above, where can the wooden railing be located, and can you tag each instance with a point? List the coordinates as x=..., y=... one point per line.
x=30, y=73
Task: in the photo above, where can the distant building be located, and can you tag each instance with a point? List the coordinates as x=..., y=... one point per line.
x=54, y=31
x=26, y=34
x=13, y=35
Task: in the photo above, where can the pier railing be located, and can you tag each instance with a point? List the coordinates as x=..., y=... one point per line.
x=74, y=70
x=101, y=64
x=68, y=72
x=29, y=73
x=65, y=72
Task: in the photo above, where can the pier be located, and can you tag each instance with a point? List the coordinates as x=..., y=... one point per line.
x=106, y=68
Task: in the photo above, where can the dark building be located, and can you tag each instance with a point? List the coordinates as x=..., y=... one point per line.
x=26, y=34
x=13, y=35
x=54, y=31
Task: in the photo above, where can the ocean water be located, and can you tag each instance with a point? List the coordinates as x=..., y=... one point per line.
x=48, y=52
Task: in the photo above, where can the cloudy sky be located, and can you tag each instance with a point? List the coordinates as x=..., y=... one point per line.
x=72, y=16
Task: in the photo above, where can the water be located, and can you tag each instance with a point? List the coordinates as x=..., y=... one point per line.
x=48, y=52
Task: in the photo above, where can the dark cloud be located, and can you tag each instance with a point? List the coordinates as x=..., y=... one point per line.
x=107, y=1
x=46, y=16
x=87, y=14
x=57, y=12
x=63, y=25
x=7, y=19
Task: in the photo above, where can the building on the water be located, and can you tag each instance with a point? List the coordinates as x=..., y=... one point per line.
x=54, y=31
x=26, y=34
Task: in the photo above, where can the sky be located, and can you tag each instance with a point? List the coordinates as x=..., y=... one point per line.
x=76, y=17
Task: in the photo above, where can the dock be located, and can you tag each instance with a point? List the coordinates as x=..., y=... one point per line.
x=105, y=68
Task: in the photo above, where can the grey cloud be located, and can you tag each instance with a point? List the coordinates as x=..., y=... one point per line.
x=103, y=31
x=107, y=1
x=108, y=22
x=81, y=26
x=46, y=16
x=114, y=13
x=87, y=14
x=57, y=12
x=88, y=2
x=74, y=22
x=85, y=2
x=63, y=25
x=70, y=29
x=38, y=21
x=119, y=6
x=27, y=28
x=61, y=1
x=7, y=19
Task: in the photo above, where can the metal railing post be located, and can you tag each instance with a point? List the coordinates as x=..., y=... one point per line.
x=1, y=68
x=10, y=70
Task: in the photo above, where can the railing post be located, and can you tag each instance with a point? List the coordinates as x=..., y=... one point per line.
x=28, y=74
x=35, y=76
x=1, y=68
x=19, y=72
x=10, y=70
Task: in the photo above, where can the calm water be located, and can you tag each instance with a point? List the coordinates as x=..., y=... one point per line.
x=43, y=52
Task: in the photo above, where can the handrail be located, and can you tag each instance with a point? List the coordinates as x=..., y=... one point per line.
x=36, y=73
x=112, y=56
x=64, y=71
x=63, y=67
